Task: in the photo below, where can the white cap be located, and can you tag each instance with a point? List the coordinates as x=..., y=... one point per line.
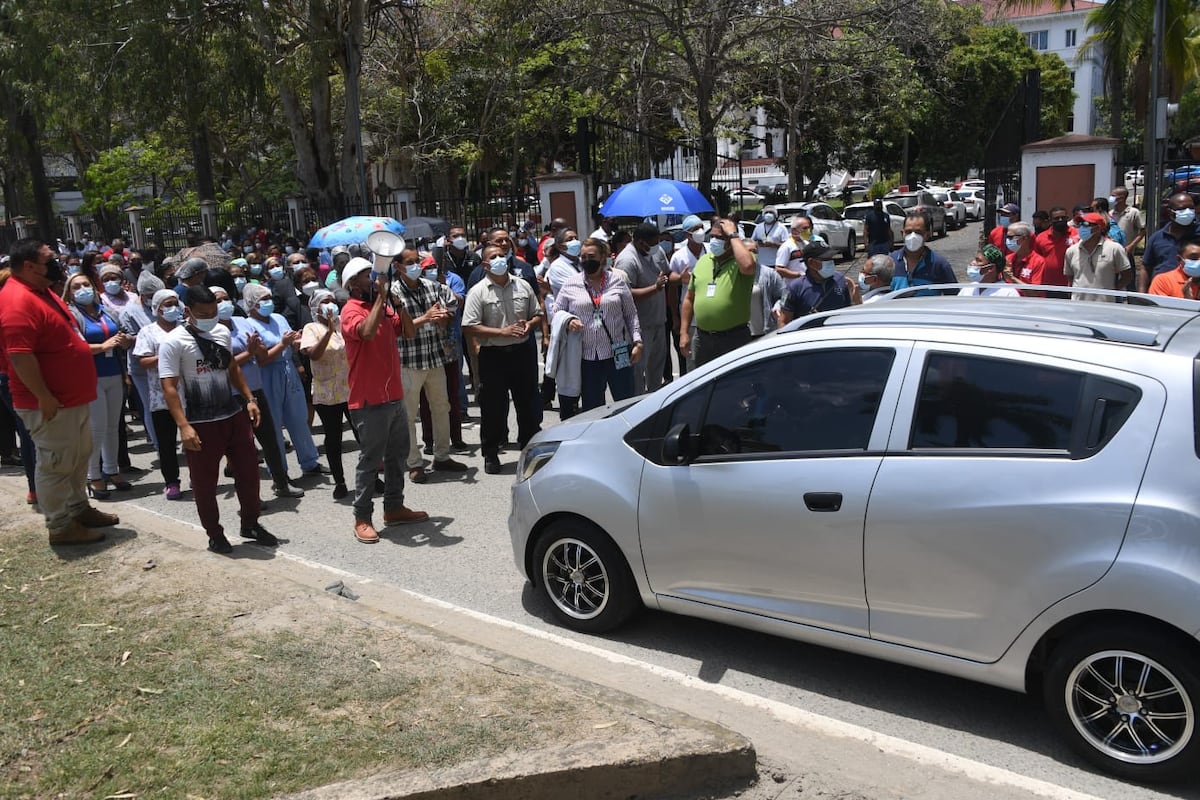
x=353, y=267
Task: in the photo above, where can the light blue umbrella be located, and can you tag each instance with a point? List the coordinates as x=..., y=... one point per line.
x=654, y=196
x=353, y=230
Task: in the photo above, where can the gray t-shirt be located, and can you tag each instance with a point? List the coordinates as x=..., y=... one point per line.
x=207, y=394
x=643, y=271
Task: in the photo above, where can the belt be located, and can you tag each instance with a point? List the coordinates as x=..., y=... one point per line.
x=728, y=331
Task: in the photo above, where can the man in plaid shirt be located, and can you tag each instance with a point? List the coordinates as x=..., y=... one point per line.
x=423, y=361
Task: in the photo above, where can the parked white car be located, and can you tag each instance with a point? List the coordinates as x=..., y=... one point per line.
x=956, y=209
x=831, y=226
x=973, y=200
x=857, y=212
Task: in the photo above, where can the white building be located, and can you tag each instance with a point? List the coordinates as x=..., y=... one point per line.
x=1062, y=33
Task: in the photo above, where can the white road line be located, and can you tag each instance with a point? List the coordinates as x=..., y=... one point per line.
x=818, y=723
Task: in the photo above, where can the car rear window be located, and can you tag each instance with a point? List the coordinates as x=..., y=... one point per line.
x=906, y=202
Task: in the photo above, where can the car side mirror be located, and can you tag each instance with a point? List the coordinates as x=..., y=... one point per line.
x=677, y=446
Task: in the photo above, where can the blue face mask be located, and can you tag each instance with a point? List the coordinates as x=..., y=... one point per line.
x=717, y=247
x=256, y=269
x=1085, y=232
x=1003, y=222
x=498, y=265
x=172, y=314
x=239, y=283
x=266, y=308
x=225, y=310
x=974, y=273
x=862, y=282
x=205, y=325
x=827, y=269
x=276, y=273
x=573, y=247
x=84, y=296
x=112, y=287
x=1012, y=245
x=1192, y=268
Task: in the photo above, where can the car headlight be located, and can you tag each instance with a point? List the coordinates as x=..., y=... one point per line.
x=534, y=457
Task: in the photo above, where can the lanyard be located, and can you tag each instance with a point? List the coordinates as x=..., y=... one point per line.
x=596, y=297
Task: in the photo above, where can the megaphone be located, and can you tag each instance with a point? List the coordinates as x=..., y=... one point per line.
x=384, y=246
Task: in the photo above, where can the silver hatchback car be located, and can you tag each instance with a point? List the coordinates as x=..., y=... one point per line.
x=1002, y=490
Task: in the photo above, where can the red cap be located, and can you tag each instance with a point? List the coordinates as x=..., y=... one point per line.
x=1093, y=218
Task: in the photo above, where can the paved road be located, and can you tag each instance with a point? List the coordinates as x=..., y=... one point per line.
x=463, y=557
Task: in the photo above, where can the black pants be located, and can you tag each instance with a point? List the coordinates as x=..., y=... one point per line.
x=265, y=433
x=708, y=345
x=504, y=372
x=166, y=432
x=331, y=423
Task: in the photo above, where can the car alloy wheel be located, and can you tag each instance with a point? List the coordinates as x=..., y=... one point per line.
x=1126, y=699
x=585, y=577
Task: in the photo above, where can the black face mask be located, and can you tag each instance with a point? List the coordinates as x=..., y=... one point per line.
x=591, y=266
x=54, y=271
x=1060, y=226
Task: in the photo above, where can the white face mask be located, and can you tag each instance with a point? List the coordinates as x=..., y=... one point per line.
x=330, y=309
x=698, y=236
x=913, y=242
x=309, y=288
x=862, y=282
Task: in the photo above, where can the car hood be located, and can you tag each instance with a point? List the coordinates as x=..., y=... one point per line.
x=576, y=425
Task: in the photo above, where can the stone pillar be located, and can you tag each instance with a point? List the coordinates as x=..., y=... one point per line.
x=137, y=232
x=74, y=228
x=296, y=215
x=208, y=217
x=403, y=199
x=568, y=195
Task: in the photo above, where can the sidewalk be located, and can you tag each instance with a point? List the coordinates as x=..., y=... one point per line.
x=438, y=715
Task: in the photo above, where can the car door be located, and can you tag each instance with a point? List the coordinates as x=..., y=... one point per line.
x=1007, y=486
x=766, y=514
x=896, y=215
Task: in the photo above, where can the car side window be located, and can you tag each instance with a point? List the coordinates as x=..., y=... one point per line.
x=803, y=402
x=974, y=402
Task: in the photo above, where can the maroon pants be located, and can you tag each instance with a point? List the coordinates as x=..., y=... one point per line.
x=232, y=438
x=453, y=375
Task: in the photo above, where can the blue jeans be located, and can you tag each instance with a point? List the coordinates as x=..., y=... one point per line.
x=596, y=376
x=28, y=450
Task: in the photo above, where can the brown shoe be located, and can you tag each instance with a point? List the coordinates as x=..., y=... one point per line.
x=365, y=532
x=417, y=475
x=449, y=465
x=75, y=534
x=95, y=518
x=404, y=516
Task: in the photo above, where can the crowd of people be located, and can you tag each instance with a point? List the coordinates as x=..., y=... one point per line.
x=230, y=357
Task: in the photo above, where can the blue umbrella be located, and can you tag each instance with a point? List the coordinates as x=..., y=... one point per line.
x=353, y=230
x=654, y=196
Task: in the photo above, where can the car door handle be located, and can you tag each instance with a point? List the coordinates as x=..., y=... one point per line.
x=823, y=501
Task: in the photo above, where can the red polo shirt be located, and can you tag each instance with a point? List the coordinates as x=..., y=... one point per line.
x=374, y=363
x=39, y=323
x=1052, y=247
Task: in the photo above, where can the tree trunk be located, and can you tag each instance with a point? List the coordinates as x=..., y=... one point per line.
x=202, y=159
x=25, y=125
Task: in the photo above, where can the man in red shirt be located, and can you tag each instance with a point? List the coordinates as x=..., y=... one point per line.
x=1005, y=216
x=370, y=327
x=53, y=380
x=1052, y=246
x=1024, y=262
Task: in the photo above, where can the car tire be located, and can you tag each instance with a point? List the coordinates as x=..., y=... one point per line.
x=851, y=247
x=585, y=577
x=942, y=230
x=1126, y=699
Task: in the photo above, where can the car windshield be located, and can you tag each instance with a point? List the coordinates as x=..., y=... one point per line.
x=906, y=201
x=856, y=213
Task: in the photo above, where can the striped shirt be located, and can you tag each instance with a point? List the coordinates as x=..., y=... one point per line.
x=616, y=310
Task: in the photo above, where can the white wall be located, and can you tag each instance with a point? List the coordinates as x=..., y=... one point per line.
x=1088, y=81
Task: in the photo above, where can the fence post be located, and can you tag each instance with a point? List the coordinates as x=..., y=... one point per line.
x=136, y=231
x=295, y=214
x=22, y=226
x=403, y=198
x=74, y=228
x=208, y=217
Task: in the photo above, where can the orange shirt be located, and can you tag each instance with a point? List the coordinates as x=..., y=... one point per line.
x=1171, y=284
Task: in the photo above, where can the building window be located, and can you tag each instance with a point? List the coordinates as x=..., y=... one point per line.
x=1038, y=40
x=1070, y=38
x=1070, y=123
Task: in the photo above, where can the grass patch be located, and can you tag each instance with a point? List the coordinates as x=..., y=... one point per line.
x=185, y=679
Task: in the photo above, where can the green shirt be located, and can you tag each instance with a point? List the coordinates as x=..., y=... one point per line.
x=729, y=306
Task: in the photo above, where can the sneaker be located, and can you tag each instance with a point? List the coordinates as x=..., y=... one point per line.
x=219, y=544
x=417, y=475
x=95, y=518
x=340, y=491
x=449, y=465
x=365, y=532
x=404, y=516
x=260, y=534
x=75, y=534
x=31, y=498
x=287, y=490
x=317, y=470
x=491, y=466
x=173, y=492
x=428, y=450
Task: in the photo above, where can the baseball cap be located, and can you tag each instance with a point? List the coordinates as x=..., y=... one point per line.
x=1012, y=209
x=819, y=250
x=1092, y=218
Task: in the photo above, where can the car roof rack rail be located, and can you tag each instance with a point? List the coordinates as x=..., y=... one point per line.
x=1070, y=292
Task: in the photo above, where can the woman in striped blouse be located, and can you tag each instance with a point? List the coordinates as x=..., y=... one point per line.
x=605, y=317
